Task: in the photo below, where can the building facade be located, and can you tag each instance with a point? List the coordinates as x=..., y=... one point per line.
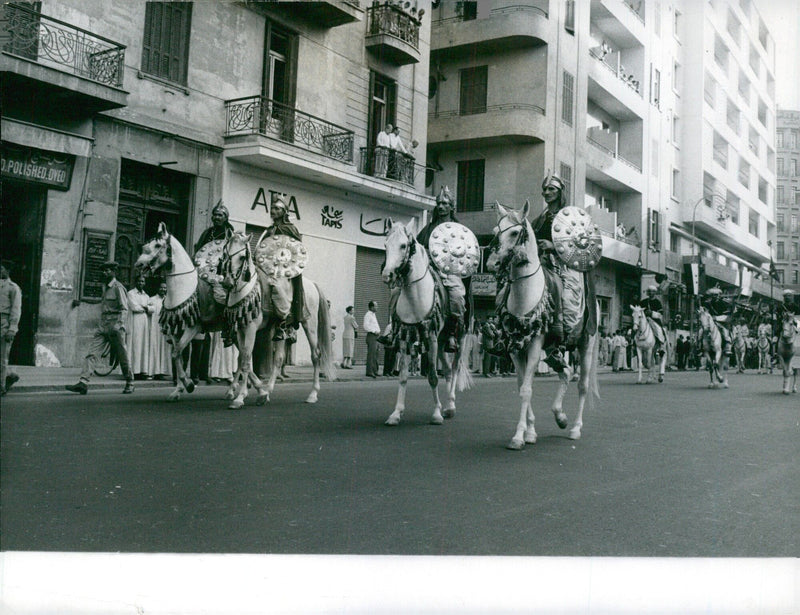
x=611, y=96
x=787, y=218
x=166, y=108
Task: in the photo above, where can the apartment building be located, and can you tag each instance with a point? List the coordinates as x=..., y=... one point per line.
x=119, y=115
x=613, y=96
x=787, y=217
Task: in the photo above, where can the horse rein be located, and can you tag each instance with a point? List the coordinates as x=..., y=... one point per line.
x=168, y=250
x=523, y=236
x=402, y=271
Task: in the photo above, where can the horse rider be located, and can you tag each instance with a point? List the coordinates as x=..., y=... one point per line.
x=654, y=310
x=219, y=229
x=456, y=291
x=720, y=312
x=285, y=295
x=574, y=290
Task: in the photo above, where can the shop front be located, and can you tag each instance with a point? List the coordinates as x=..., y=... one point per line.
x=343, y=232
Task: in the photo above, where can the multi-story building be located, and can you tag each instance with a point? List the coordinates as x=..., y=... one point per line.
x=616, y=98
x=787, y=218
x=119, y=115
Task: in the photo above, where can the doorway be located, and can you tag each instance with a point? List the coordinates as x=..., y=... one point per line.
x=21, y=235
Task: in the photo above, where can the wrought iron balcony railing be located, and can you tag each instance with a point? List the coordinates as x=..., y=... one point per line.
x=391, y=19
x=52, y=42
x=389, y=164
x=263, y=116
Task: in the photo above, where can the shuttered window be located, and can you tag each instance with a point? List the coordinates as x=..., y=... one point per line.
x=470, y=185
x=369, y=287
x=565, y=171
x=165, y=48
x=567, y=97
x=473, y=89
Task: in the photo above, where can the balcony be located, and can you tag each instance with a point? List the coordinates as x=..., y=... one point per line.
x=606, y=167
x=384, y=163
x=58, y=65
x=721, y=231
x=324, y=14
x=613, y=18
x=393, y=34
x=257, y=115
x=524, y=24
x=613, y=88
x=621, y=249
x=504, y=124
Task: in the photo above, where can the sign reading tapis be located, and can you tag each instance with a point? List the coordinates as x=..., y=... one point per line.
x=34, y=165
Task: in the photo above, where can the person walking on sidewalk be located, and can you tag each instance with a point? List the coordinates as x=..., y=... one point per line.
x=10, y=310
x=373, y=330
x=110, y=331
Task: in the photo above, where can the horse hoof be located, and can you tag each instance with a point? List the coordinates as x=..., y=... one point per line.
x=236, y=404
x=262, y=400
x=174, y=397
x=661, y=378
x=561, y=418
x=515, y=445
x=575, y=433
x=711, y=386
x=449, y=413
x=437, y=420
x=229, y=395
x=530, y=437
x=392, y=421
x=786, y=392
x=189, y=387
x=312, y=398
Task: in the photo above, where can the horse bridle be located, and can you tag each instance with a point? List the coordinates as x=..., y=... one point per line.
x=168, y=251
x=512, y=252
x=225, y=263
x=404, y=268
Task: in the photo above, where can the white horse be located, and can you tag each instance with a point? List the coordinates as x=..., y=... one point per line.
x=524, y=308
x=786, y=350
x=419, y=317
x=739, y=347
x=763, y=345
x=317, y=324
x=716, y=360
x=645, y=339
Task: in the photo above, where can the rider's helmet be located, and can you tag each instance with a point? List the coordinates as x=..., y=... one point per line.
x=552, y=180
x=278, y=204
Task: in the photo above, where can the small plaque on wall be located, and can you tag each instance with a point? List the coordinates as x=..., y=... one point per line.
x=96, y=251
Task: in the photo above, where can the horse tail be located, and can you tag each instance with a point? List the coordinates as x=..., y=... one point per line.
x=463, y=375
x=324, y=335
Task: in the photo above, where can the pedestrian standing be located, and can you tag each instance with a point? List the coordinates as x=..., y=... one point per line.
x=160, y=365
x=110, y=332
x=373, y=330
x=382, y=146
x=138, y=329
x=10, y=311
x=348, y=337
x=223, y=361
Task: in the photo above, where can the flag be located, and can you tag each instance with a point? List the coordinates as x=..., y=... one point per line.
x=773, y=271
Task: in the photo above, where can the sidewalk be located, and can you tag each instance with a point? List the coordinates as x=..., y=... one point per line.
x=42, y=379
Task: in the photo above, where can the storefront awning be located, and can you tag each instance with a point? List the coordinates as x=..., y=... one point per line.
x=39, y=137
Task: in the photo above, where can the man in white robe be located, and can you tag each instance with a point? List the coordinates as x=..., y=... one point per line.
x=160, y=349
x=139, y=329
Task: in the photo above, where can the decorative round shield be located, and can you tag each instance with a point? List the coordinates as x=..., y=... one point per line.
x=207, y=259
x=281, y=256
x=577, y=239
x=454, y=249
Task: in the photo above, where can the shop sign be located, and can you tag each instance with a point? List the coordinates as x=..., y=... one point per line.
x=96, y=251
x=483, y=285
x=38, y=166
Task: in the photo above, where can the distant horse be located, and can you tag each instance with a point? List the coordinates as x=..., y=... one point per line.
x=420, y=318
x=525, y=317
x=645, y=339
x=763, y=345
x=716, y=360
x=786, y=350
x=739, y=347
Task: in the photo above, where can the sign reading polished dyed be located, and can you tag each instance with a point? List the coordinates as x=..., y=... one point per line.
x=34, y=165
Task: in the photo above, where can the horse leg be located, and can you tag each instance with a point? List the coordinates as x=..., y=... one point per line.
x=433, y=380
x=183, y=382
x=278, y=351
x=639, y=361
x=449, y=375
x=400, y=404
x=722, y=369
x=524, y=431
x=246, y=339
x=585, y=385
x=311, y=336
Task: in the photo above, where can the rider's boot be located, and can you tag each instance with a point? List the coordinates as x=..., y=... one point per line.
x=554, y=344
x=280, y=331
x=455, y=326
x=385, y=338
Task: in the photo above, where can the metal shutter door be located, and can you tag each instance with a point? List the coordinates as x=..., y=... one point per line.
x=369, y=287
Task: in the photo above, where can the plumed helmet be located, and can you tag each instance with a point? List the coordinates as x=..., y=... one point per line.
x=444, y=196
x=221, y=209
x=279, y=202
x=551, y=179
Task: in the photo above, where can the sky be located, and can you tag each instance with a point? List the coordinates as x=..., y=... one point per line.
x=783, y=21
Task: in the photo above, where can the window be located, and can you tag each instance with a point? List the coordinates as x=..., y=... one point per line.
x=277, y=79
x=468, y=9
x=721, y=54
x=762, y=113
x=780, y=249
x=795, y=250
x=793, y=167
x=676, y=24
x=654, y=230
x=753, y=223
x=720, y=150
x=780, y=223
x=676, y=78
x=794, y=227
x=710, y=89
x=744, y=87
x=780, y=168
x=744, y=173
x=674, y=242
x=792, y=140
x=780, y=276
x=676, y=129
x=473, y=89
x=779, y=139
x=569, y=17
x=165, y=44
x=655, y=86
x=755, y=63
x=709, y=187
x=382, y=106
x=781, y=194
x=470, y=185
x=762, y=190
x=734, y=27
x=676, y=181
x=567, y=96
x=732, y=206
x=565, y=173
x=753, y=140
x=733, y=117
x=795, y=276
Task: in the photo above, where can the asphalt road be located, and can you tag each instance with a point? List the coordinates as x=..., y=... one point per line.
x=670, y=470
